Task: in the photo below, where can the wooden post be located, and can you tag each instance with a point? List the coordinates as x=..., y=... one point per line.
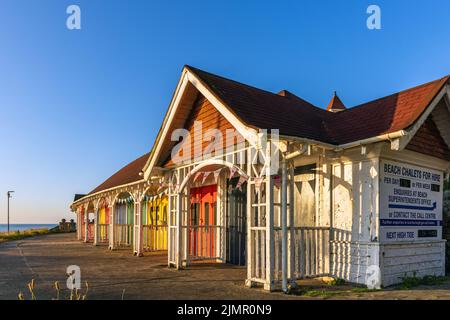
x=138, y=245
x=221, y=211
x=284, y=256
x=270, y=243
x=111, y=226
x=179, y=216
x=249, y=256
x=291, y=235
x=96, y=214
x=187, y=224
x=86, y=224
x=79, y=224
x=169, y=227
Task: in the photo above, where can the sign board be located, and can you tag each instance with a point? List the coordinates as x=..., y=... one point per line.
x=410, y=202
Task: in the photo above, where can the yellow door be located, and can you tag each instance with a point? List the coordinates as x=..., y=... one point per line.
x=102, y=221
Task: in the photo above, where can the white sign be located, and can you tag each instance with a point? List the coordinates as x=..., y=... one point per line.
x=410, y=202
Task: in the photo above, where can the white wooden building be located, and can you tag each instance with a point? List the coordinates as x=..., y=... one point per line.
x=291, y=190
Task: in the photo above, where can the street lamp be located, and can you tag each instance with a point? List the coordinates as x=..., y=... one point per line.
x=8, y=195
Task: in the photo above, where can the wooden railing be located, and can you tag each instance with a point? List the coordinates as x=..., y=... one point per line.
x=310, y=254
x=154, y=237
x=102, y=233
x=82, y=231
x=91, y=227
x=204, y=242
x=312, y=251
x=123, y=234
x=257, y=255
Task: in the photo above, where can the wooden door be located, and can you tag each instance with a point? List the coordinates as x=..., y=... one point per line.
x=236, y=224
x=203, y=222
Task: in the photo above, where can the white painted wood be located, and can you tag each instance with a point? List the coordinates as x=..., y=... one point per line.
x=269, y=245
x=138, y=230
x=409, y=259
x=207, y=163
x=291, y=235
x=162, y=134
x=79, y=224
x=86, y=224
x=188, y=77
x=96, y=216
x=363, y=150
x=441, y=117
x=249, y=257
x=179, y=238
x=186, y=214
x=171, y=260
x=400, y=143
x=111, y=226
x=447, y=100
x=284, y=217
x=248, y=133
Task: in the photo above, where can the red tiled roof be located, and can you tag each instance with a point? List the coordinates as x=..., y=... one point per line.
x=128, y=174
x=294, y=116
x=396, y=112
x=290, y=114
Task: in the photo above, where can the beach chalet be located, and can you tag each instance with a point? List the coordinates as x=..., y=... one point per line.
x=269, y=181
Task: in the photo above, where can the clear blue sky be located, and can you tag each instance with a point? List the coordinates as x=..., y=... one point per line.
x=77, y=105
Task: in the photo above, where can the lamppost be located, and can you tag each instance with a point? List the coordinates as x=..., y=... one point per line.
x=8, y=195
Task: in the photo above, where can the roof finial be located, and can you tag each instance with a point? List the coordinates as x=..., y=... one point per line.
x=335, y=104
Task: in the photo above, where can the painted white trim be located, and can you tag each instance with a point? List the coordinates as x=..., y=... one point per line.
x=447, y=100
x=119, y=193
x=91, y=197
x=218, y=157
x=248, y=133
x=308, y=141
x=209, y=163
x=173, y=107
x=400, y=143
x=399, y=139
x=388, y=136
x=414, y=158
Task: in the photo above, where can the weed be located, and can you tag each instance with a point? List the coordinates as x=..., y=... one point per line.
x=337, y=282
x=18, y=235
x=414, y=281
x=74, y=294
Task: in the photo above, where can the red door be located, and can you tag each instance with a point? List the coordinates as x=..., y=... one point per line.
x=203, y=222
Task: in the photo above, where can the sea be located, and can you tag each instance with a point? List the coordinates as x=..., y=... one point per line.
x=22, y=227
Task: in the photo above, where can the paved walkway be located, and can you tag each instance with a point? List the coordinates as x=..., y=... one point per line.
x=108, y=273
x=46, y=258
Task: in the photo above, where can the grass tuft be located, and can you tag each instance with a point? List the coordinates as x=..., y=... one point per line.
x=337, y=282
x=414, y=281
x=18, y=235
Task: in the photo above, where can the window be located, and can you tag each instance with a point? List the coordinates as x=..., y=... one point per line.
x=157, y=215
x=165, y=215
x=194, y=214
x=305, y=196
x=206, y=215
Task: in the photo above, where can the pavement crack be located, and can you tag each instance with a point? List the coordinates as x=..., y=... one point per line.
x=25, y=260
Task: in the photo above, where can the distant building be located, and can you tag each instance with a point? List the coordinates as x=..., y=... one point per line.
x=67, y=226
